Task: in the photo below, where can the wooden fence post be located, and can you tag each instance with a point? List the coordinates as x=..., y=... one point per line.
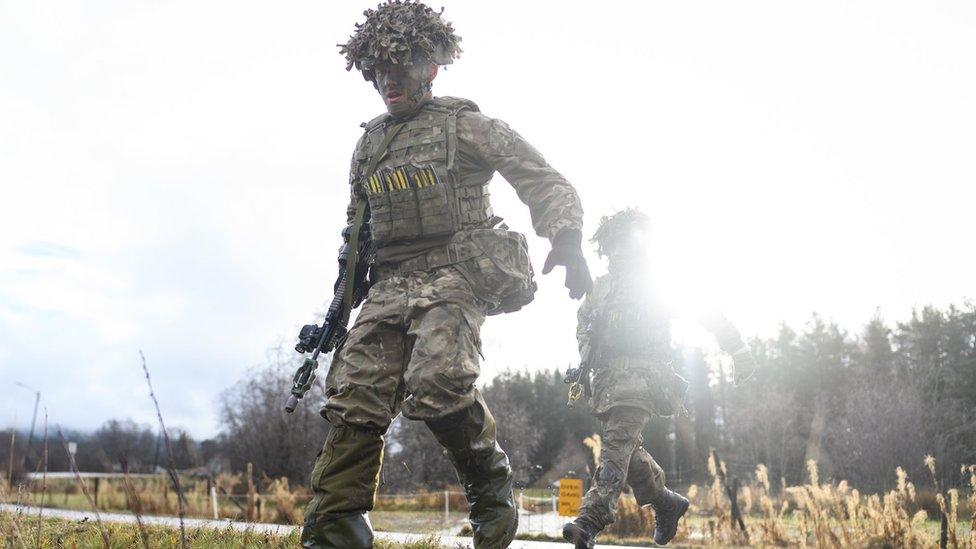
x=447, y=507
x=213, y=501
x=10, y=468
x=732, y=491
x=249, y=513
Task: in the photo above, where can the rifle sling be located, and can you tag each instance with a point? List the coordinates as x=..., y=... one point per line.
x=352, y=262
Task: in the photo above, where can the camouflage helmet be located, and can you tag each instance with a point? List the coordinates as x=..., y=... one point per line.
x=621, y=226
x=400, y=32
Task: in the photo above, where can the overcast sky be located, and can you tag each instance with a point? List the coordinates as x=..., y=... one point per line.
x=173, y=173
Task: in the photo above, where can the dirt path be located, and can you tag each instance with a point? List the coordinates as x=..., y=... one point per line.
x=279, y=529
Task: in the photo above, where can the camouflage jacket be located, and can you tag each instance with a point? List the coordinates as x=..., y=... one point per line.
x=624, y=329
x=475, y=147
x=625, y=333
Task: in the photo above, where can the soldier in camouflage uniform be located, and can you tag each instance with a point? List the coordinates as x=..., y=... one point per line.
x=442, y=264
x=624, y=333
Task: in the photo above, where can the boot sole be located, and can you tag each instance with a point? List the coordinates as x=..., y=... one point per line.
x=674, y=531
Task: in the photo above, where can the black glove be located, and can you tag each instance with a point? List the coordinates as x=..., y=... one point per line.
x=728, y=336
x=743, y=365
x=567, y=251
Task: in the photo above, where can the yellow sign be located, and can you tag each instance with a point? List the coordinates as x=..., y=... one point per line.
x=570, y=496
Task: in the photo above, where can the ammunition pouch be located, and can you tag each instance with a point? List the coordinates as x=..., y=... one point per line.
x=494, y=261
x=498, y=268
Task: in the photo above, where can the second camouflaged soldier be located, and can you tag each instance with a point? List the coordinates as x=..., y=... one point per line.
x=624, y=333
x=420, y=173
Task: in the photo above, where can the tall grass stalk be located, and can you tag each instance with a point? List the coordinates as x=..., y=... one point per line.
x=84, y=488
x=40, y=508
x=169, y=455
x=940, y=497
x=14, y=519
x=972, y=502
x=133, y=499
x=10, y=466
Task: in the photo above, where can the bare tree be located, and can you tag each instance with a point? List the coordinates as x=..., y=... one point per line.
x=257, y=430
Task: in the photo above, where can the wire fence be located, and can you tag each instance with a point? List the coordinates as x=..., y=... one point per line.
x=442, y=510
x=538, y=513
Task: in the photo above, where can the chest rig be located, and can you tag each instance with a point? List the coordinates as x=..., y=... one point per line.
x=416, y=191
x=633, y=326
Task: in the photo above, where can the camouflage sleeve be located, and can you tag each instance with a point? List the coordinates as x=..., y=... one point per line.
x=582, y=324
x=588, y=311
x=728, y=336
x=552, y=201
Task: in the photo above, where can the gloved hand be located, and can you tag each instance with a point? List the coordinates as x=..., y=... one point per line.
x=743, y=365
x=713, y=320
x=567, y=251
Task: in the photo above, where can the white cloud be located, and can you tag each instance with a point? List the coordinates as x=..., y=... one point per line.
x=173, y=175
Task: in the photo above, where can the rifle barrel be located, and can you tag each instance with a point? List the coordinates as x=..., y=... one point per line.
x=334, y=326
x=291, y=403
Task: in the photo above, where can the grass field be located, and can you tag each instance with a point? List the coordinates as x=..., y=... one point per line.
x=820, y=514
x=56, y=534
x=420, y=522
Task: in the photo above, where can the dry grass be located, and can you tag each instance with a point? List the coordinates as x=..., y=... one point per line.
x=815, y=514
x=820, y=514
x=56, y=533
x=276, y=501
x=429, y=501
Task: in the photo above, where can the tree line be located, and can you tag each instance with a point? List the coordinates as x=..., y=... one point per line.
x=860, y=404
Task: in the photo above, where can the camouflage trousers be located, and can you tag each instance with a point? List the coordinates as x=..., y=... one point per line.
x=622, y=461
x=414, y=348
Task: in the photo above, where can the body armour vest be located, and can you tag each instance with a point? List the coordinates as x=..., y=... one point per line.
x=416, y=192
x=633, y=325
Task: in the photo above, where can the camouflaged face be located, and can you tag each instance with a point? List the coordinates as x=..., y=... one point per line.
x=401, y=32
x=615, y=227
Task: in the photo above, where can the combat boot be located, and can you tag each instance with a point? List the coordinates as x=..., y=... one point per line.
x=580, y=533
x=349, y=532
x=668, y=508
x=343, y=484
x=482, y=467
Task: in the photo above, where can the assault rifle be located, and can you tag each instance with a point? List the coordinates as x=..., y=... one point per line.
x=331, y=334
x=578, y=378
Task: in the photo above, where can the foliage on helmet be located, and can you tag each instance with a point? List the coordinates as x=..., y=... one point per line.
x=401, y=32
x=616, y=227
